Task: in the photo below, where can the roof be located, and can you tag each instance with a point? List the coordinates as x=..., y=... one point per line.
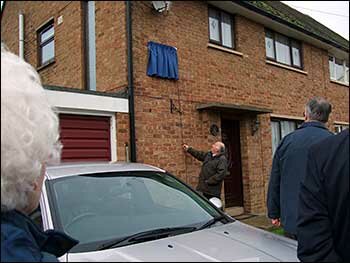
x=70, y=169
x=233, y=108
x=297, y=20
x=118, y=94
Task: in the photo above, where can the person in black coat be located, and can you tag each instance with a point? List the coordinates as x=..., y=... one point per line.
x=289, y=164
x=324, y=202
x=213, y=171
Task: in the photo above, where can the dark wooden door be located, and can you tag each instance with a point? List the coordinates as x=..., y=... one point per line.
x=233, y=180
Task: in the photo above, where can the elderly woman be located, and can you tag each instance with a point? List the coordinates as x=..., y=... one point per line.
x=29, y=141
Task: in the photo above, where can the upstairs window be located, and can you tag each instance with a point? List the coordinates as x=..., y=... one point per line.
x=283, y=49
x=46, y=44
x=339, y=70
x=221, y=28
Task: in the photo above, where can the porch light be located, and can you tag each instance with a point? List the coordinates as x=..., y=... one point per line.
x=255, y=126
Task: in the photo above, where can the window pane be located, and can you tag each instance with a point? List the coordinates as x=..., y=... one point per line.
x=331, y=67
x=214, y=25
x=347, y=72
x=296, y=54
x=282, y=49
x=226, y=27
x=275, y=131
x=270, y=51
x=339, y=70
x=48, y=52
x=287, y=127
x=47, y=34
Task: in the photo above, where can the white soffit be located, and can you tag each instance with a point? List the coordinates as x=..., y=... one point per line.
x=72, y=100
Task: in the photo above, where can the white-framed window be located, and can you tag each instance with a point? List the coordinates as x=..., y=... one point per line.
x=280, y=128
x=339, y=69
x=46, y=43
x=338, y=128
x=283, y=49
x=221, y=28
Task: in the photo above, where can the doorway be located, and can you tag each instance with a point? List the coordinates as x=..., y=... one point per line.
x=230, y=133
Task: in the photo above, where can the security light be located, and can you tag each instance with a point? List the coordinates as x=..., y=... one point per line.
x=161, y=6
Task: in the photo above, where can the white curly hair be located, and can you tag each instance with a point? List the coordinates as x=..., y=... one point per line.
x=29, y=130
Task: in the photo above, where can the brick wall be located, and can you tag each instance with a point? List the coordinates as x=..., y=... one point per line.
x=211, y=75
x=206, y=75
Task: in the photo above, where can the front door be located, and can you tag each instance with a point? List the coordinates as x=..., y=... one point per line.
x=233, y=180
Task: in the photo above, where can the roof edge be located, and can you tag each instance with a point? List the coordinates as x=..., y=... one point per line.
x=291, y=25
x=121, y=94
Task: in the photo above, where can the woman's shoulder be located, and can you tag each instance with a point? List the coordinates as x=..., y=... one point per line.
x=17, y=244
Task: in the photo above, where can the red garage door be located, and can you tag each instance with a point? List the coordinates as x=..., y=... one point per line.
x=85, y=138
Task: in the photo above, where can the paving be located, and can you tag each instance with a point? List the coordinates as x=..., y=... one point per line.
x=260, y=221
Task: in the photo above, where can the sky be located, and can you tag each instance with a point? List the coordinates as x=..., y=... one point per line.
x=332, y=14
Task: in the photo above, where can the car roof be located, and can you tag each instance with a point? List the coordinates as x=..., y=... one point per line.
x=70, y=169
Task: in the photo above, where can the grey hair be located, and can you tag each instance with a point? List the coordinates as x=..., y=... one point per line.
x=29, y=131
x=318, y=109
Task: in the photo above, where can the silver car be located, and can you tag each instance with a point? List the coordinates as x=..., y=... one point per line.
x=137, y=212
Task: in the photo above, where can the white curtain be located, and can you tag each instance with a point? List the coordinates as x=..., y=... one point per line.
x=275, y=129
x=282, y=49
x=287, y=127
x=226, y=30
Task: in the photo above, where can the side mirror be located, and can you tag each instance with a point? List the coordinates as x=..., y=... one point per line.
x=216, y=201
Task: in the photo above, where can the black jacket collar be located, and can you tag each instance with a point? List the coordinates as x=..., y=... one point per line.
x=51, y=241
x=316, y=124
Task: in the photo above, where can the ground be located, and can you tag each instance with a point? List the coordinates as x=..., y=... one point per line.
x=260, y=221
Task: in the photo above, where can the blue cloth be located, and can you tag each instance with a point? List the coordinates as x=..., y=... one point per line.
x=22, y=240
x=162, y=61
x=288, y=169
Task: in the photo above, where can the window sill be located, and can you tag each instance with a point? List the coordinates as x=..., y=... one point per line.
x=340, y=123
x=286, y=67
x=340, y=83
x=50, y=62
x=279, y=116
x=211, y=45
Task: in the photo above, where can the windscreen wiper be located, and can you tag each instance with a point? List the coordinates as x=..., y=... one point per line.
x=146, y=236
x=211, y=222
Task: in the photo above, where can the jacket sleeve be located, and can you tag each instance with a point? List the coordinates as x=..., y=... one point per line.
x=273, y=194
x=220, y=174
x=314, y=232
x=200, y=156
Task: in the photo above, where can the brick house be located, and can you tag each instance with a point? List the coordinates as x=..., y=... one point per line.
x=245, y=71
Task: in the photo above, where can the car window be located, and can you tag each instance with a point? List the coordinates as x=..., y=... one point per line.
x=101, y=207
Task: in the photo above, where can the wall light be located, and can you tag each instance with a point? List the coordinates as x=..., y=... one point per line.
x=255, y=126
x=161, y=6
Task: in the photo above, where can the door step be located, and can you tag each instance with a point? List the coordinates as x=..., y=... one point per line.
x=234, y=210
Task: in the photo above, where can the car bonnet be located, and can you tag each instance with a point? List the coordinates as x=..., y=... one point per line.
x=230, y=242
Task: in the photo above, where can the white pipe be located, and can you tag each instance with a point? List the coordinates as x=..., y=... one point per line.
x=21, y=35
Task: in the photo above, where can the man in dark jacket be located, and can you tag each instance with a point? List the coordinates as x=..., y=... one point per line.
x=324, y=202
x=289, y=164
x=213, y=170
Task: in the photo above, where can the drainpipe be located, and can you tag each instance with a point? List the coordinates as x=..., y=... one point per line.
x=21, y=35
x=130, y=82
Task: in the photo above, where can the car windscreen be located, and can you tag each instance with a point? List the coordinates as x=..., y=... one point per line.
x=99, y=207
